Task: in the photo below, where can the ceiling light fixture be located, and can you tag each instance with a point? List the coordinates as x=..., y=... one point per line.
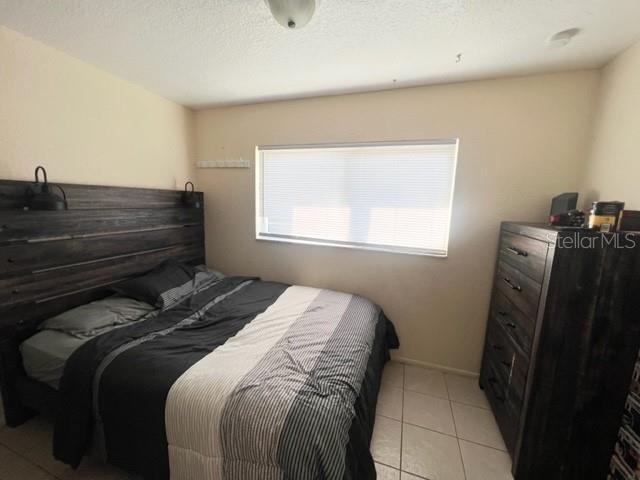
x=292, y=14
x=563, y=38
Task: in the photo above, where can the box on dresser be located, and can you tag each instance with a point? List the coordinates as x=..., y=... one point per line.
x=561, y=344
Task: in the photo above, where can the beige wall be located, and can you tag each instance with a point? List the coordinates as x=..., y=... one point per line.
x=613, y=172
x=84, y=125
x=522, y=140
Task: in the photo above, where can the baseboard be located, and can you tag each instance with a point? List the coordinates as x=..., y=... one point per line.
x=434, y=366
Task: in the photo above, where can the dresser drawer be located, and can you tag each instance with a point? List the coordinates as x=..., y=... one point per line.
x=494, y=382
x=520, y=289
x=499, y=352
x=495, y=387
x=526, y=254
x=508, y=362
x=519, y=327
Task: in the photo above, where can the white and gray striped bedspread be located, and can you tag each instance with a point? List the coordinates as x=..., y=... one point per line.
x=279, y=393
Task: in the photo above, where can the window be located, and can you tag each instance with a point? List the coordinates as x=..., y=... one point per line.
x=381, y=196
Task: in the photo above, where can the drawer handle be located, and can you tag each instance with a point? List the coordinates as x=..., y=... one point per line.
x=493, y=381
x=517, y=251
x=512, y=285
x=508, y=323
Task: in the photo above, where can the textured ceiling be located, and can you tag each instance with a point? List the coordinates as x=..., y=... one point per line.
x=213, y=52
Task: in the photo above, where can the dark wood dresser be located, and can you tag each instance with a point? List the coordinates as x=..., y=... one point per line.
x=561, y=343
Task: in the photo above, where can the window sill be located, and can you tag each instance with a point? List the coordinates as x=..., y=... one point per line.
x=353, y=246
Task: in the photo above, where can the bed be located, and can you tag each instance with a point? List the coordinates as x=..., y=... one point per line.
x=243, y=379
x=220, y=377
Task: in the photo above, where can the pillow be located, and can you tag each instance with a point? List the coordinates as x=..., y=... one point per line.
x=86, y=320
x=212, y=271
x=150, y=288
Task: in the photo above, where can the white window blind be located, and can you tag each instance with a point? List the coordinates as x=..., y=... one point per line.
x=387, y=196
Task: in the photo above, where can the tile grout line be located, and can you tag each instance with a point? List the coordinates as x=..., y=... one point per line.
x=455, y=427
x=404, y=368
x=496, y=426
x=385, y=464
x=471, y=405
x=402, y=471
x=456, y=436
x=430, y=429
x=451, y=402
x=402, y=422
x=483, y=445
x=448, y=397
x=449, y=435
x=388, y=417
x=29, y=461
x=427, y=394
x=453, y=417
x=464, y=468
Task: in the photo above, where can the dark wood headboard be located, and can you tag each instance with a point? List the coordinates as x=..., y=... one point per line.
x=51, y=261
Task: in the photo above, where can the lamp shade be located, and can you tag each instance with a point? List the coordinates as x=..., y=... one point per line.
x=292, y=13
x=190, y=197
x=40, y=195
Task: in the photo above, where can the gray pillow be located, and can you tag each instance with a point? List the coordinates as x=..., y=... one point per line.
x=213, y=271
x=154, y=286
x=87, y=319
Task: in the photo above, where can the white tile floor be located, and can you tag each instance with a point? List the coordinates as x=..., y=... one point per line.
x=429, y=425
x=435, y=426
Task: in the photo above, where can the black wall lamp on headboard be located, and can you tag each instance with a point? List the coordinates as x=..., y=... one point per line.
x=40, y=197
x=189, y=197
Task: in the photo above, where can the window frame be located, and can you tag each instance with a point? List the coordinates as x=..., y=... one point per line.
x=351, y=245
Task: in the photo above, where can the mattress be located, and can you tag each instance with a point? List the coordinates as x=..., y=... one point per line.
x=244, y=379
x=45, y=354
